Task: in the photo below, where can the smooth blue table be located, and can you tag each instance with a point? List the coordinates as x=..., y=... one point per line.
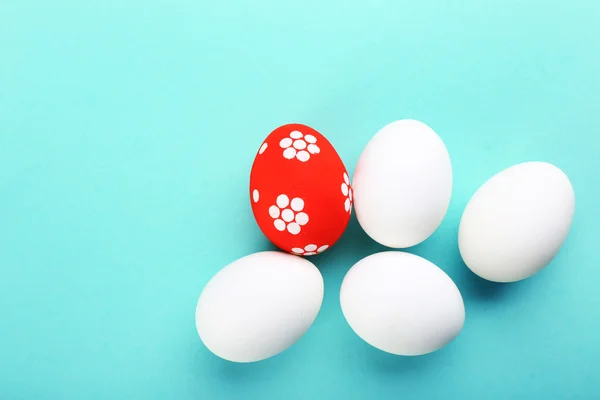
x=127, y=133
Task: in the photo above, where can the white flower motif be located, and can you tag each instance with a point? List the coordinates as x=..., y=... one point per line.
x=288, y=215
x=347, y=192
x=299, y=146
x=263, y=148
x=309, y=250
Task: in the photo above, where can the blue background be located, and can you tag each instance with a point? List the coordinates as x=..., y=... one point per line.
x=127, y=133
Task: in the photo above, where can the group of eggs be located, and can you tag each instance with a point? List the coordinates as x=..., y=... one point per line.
x=398, y=302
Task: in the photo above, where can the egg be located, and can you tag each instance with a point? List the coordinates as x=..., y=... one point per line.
x=516, y=222
x=402, y=303
x=402, y=184
x=300, y=190
x=258, y=306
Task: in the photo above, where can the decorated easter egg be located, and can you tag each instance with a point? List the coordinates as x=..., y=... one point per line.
x=300, y=190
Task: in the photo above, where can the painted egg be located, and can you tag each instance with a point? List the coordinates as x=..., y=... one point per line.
x=516, y=222
x=403, y=184
x=300, y=190
x=402, y=303
x=258, y=306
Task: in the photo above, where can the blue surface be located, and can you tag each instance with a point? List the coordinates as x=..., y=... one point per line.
x=127, y=132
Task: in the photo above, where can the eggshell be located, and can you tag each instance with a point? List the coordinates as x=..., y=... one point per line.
x=516, y=223
x=300, y=190
x=402, y=184
x=401, y=303
x=258, y=306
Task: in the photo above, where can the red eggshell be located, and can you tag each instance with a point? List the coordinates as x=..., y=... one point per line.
x=297, y=163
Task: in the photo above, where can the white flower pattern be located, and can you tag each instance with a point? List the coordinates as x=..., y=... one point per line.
x=299, y=146
x=347, y=192
x=263, y=148
x=309, y=250
x=288, y=215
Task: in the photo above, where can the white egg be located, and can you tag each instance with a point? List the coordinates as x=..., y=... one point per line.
x=402, y=184
x=401, y=303
x=258, y=306
x=516, y=223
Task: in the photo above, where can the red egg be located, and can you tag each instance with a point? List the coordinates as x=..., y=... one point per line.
x=300, y=190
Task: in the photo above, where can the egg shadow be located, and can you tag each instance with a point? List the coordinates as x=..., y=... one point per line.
x=353, y=246
x=228, y=375
x=370, y=360
x=395, y=365
x=475, y=289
